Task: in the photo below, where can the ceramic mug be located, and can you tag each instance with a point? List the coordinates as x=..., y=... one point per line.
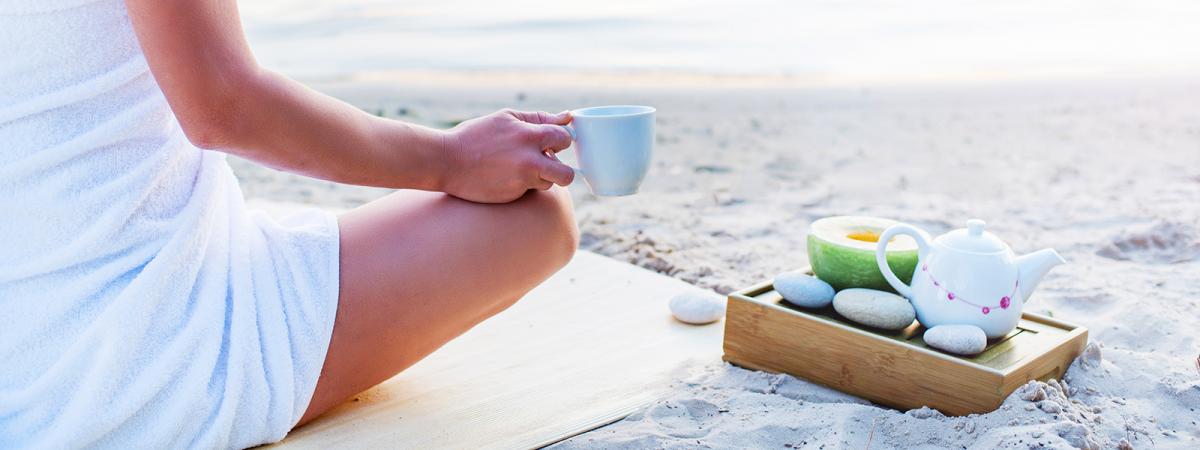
x=613, y=145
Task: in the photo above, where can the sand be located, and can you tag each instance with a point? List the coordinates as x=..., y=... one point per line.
x=1108, y=173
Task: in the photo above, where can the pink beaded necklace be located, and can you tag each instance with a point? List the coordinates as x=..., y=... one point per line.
x=1005, y=301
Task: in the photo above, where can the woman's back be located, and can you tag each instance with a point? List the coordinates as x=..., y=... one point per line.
x=88, y=139
x=89, y=152
x=132, y=282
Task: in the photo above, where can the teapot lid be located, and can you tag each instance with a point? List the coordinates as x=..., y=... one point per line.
x=973, y=239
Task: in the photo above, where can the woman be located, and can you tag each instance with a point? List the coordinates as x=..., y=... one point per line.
x=142, y=306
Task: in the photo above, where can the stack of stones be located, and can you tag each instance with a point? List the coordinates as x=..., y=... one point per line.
x=878, y=309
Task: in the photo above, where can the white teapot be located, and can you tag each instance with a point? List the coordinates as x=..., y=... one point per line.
x=967, y=277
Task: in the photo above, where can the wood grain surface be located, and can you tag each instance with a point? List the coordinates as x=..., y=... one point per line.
x=591, y=345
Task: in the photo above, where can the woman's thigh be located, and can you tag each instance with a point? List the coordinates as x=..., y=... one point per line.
x=420, y=268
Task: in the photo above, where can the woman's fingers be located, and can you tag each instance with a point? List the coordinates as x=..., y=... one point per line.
x=542, y=117
x=553, y=137
x=552, y=170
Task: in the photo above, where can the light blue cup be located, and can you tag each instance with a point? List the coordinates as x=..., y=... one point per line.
x=613, y=145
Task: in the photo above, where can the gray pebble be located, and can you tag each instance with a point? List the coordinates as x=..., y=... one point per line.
x=958, y=339
x=874, y=308
x=805, y=290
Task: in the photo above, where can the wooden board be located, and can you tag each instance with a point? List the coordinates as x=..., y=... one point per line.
x=893, y=368
x=591, y=345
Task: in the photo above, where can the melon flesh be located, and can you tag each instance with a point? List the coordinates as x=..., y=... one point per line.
x=841, y=251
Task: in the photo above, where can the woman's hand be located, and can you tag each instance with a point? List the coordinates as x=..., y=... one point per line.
x=498, y=157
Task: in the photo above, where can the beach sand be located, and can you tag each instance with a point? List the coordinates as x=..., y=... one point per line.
x=1106, y=172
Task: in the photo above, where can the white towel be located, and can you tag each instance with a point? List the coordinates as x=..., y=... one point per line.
x=141, y=306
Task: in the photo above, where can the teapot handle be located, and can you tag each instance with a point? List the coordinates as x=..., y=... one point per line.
x=881, y=254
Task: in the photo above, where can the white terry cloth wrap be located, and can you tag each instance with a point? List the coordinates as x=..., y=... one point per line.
x=141, y=305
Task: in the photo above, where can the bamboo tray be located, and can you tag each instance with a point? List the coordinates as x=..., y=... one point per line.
x=893, y=368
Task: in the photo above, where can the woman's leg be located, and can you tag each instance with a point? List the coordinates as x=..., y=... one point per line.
x=420, y=268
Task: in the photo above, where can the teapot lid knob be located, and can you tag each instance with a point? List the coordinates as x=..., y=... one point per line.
x=973, y=239
x=975, y=227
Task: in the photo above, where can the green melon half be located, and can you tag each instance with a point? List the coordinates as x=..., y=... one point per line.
x=841, y=250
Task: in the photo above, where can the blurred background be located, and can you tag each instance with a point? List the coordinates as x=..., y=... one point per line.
x=1063, y=123
x=865, y=41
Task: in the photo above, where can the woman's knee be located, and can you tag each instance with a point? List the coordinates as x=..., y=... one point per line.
x=556, y=234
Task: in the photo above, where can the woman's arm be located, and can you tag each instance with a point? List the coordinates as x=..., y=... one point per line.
x=225, y=101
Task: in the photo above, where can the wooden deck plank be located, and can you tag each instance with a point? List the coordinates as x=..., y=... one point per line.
x=591, y=345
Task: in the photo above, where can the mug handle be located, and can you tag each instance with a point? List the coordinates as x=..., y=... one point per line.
x=570, y=129
x=881, y=254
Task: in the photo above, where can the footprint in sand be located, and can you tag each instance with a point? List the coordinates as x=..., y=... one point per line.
x=689, y=418
x=1159, y=243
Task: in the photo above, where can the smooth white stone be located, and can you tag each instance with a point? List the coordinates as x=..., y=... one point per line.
x=697, y=307
x=874, y=308
x=958, y=339
x=805, y=290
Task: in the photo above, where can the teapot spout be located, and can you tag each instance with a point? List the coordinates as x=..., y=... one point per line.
x=1032, y=267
